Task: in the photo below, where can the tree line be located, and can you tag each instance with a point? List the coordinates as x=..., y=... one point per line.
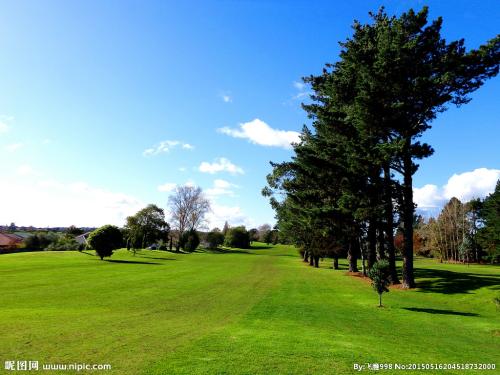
x=188, y=207
x=349, y=184
x=462, y=232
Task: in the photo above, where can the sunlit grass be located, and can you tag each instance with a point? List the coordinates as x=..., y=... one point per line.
x=239, y=311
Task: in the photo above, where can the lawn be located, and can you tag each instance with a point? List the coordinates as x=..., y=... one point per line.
x=261, y=311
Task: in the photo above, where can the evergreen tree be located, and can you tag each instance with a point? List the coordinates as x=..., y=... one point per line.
x=489, y=234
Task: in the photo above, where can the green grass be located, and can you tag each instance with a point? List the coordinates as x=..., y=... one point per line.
x=261, y=311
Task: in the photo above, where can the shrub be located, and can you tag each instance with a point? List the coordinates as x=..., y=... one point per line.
x=190, y=241
x=237, y=237
x=105, y=239
x=215, y=239
x=39, y=241
x=63, y=243
x=380, y=275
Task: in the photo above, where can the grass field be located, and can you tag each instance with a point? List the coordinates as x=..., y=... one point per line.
x=261, y=311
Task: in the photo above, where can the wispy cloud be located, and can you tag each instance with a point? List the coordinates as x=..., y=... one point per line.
x=13, y=147
x=260, y=133
x=5, y=123
x=166, y=146
x=226, y=96
x=302, y=91
x=4, y=128
x=167, y=187
x=220, y=165
x=25, y=170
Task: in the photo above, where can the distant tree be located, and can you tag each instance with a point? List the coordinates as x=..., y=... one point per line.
x=146, y=227
x=105, y=239
x=264, y=233
x=225, y=228
x=74, y=231
x=254, y=234
x=215, y=238
x=489, y=234
x=63, y=243
x=474, y=208
x=466, y=249
x=190, y=240
x=237, y=237
x=188, y=207
x=12, y=227
x=40, y=241
x=380, y=276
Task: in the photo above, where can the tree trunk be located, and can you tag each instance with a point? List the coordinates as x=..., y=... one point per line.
x=311, y=260
x=380, y=300
x=389, y=229
x=335, y=262
x=316, y=261
x=352, y=255
x=306, y=256
x=372, y=242
x=408, y=210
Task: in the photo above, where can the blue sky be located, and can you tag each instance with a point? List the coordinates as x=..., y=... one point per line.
x=106, y=105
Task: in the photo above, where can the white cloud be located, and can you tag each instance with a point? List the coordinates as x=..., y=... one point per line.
x=13, y=147
x=50, y=202
x=232, y=214
x=221, y=187
x=427, y=197
x=465, y=186
x=166, y=146
x=258, y=132
x=468, y=185
x=167, y=187
x=182, y=169
x=220, y=165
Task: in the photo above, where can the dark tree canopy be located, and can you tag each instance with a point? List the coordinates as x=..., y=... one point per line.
x=190, y=240
x=105, y=239
x=237, y=237
x=489, y=234
x=146, y=227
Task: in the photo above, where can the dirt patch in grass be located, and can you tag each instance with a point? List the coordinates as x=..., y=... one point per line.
x=367, y=280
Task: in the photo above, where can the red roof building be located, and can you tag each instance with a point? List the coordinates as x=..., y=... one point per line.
x=8, y=240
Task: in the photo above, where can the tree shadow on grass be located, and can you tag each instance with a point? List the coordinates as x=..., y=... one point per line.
x=130, y=262
x=87, y=253
x=223, y=251
x=450, y=282
x=260, y=247
x=440, y=312
x=156, y=258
